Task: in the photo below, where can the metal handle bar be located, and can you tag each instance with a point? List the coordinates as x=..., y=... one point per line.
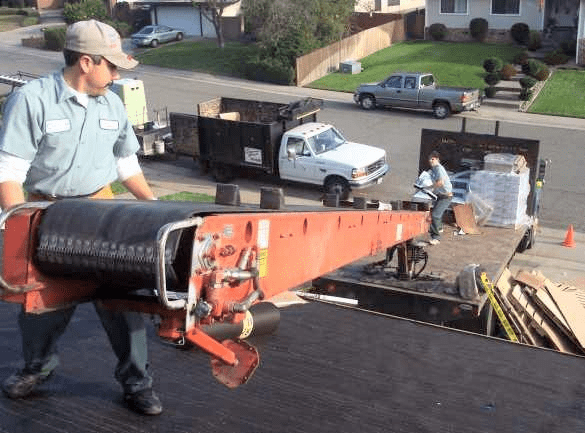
x=3, y=218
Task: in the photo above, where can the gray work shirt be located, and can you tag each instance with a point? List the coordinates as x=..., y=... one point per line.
x=72, y=149
x=438, y=172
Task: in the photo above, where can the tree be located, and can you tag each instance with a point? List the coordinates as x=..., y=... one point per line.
x=213, y=10
x=287, y=29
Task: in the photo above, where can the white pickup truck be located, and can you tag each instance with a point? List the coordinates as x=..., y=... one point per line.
x=283, y=140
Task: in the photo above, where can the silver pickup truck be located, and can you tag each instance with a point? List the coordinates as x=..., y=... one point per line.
x=417, y=90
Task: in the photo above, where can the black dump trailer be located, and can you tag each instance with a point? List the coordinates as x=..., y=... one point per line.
x=233, y=134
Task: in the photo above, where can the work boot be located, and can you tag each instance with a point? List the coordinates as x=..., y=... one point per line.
x=144, y=402
x=23, y=383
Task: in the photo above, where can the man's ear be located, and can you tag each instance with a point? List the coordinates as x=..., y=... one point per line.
x=85, y=63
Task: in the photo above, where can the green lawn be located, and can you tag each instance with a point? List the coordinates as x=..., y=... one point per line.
x=453, y=64
x=200, y=56
x=563, y=95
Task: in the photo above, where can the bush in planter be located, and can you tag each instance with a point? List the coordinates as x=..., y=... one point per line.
x=492, y=78
x=479, y=29
x=521, y=58
x=493, y=64
x=532, y=66
x=525, y=94
x=556, y=57
x=542, y=74
x=527, y=82
x=569, y=47
x=508, y=71
x=438, y=31
x=490, y=91
x=534, y=41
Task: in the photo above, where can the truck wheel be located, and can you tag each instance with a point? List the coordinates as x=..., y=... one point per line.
x=222, y=173
x=368, y=102
x=339, y=186
x=441, y=110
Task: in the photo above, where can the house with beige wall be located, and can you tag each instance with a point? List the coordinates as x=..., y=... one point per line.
x=557, y=20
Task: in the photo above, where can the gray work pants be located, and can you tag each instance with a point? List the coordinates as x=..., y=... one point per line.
x=126, y=332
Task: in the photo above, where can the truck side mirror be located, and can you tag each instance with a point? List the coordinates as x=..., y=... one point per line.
x=292, y=153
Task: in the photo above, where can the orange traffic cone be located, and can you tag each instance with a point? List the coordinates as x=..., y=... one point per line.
x=569, y=241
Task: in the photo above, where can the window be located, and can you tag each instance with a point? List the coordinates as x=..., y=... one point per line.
x=453, y=6
x=298, y=144
x=506, y=7
x=394, y=82
x=409, y=82
x=427, y=80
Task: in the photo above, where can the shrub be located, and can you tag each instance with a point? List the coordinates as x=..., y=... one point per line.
x=479, y=29
x=542, y=74
x=525, y=94
x=84, y=10
x=556, y=57
x=492, y=78
x=493, y=64
x=508, y=71
x=521, y=58
x=569, y=47
x=520, y=32
x=438, y=31
x=272, y=70
x=532, y=66
x=490, y=91
x=534, y=41
x=527, y=82
x=55, y=38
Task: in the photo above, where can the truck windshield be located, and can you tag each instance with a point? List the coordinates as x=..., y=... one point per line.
x=326, y=140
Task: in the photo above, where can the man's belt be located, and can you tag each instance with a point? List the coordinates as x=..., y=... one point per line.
x=102, y=193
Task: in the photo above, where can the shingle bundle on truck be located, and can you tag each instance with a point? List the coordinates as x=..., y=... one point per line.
x=283, y=140
x=439, y=284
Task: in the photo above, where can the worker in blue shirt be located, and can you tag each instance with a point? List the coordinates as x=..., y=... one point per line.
x=68, y=136
x=444, y=191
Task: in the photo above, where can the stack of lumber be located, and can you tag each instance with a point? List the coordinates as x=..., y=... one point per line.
x=544, y=313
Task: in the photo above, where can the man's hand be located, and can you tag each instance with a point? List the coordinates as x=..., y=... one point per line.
x=11, y=194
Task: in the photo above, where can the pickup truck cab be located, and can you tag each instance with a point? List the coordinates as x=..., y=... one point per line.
x=417, y=90
x=319, y=154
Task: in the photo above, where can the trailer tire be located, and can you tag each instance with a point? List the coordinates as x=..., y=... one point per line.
x=527, y=241
x=337, y=185
x=222, y=173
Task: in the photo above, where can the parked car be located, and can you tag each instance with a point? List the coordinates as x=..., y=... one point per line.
x=418, y=91
x=154, y=35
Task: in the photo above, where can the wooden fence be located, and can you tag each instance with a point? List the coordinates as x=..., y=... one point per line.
x=321, y=62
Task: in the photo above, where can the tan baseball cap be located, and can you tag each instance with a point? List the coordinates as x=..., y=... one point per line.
x=96, y=38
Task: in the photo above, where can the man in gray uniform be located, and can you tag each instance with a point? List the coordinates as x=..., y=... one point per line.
x=67, y=135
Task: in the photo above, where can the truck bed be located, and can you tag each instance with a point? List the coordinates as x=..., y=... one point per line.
x=434, y=296
x=326, y=369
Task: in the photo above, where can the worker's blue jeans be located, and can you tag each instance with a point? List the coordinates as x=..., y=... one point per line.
x=439, y=207
x=126, y=332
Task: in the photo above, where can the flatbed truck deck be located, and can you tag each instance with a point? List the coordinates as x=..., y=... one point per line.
x=433, y=296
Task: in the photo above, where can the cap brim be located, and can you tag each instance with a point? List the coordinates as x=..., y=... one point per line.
x=122, y=60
